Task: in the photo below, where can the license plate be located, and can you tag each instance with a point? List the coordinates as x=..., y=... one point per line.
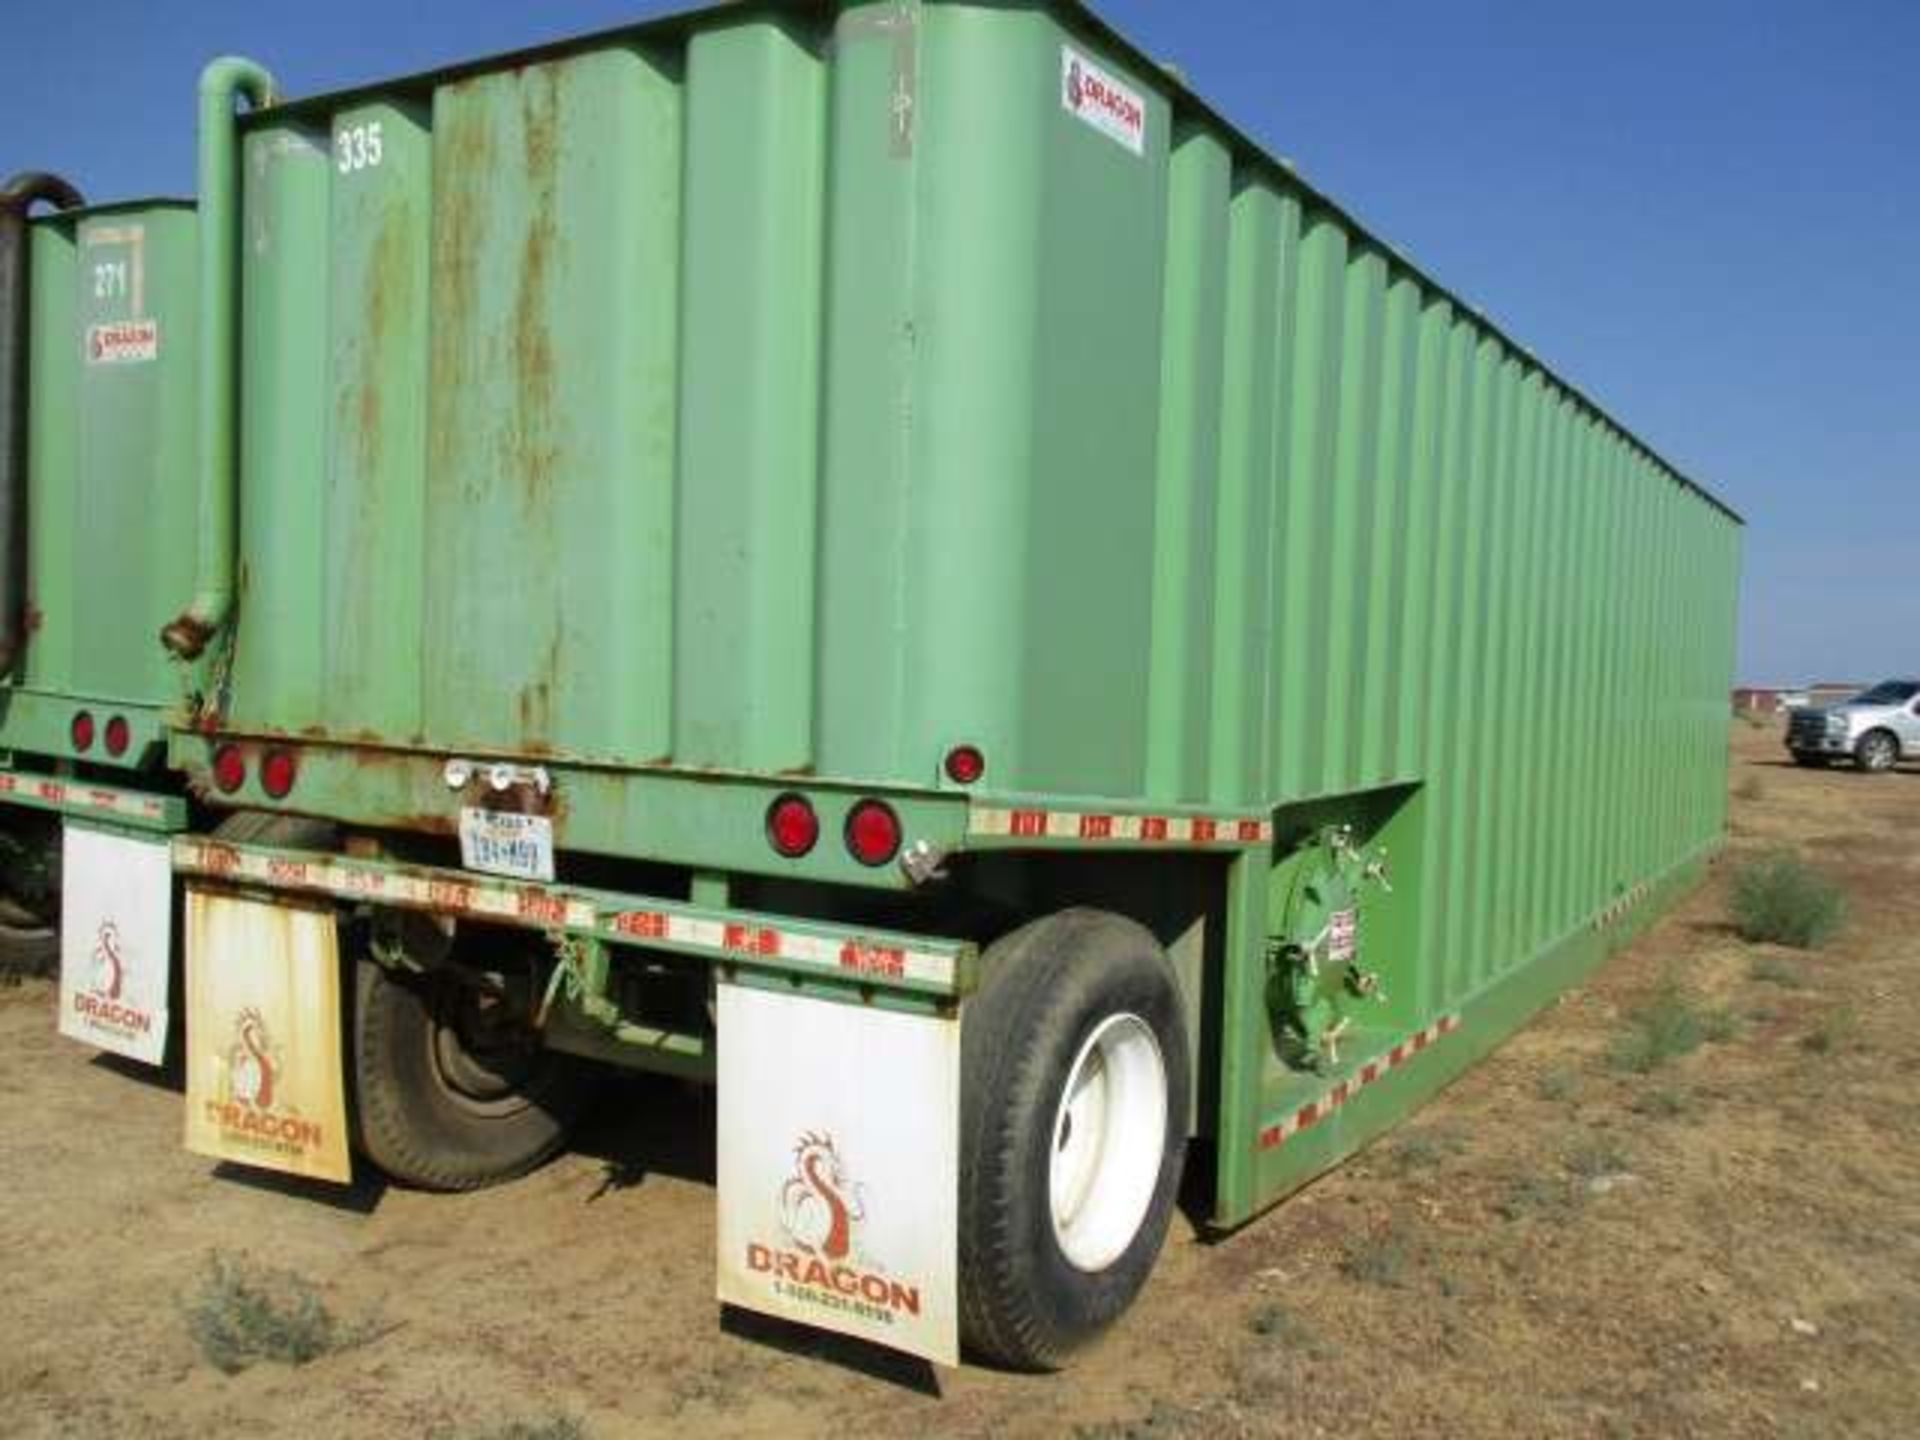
x=498, y=843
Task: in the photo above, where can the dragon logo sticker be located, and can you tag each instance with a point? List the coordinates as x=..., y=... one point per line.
x=819, y=1207
x=109, y=970
x=251, y=1062
x=103, y=1004
x=251, y=1111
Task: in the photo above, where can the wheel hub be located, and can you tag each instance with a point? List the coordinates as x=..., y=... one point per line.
x=480, y=1049
x=1109, y=1140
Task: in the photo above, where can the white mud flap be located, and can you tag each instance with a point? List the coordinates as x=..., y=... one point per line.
x=264, y=1070
x=116, y=938
x=839, y=1167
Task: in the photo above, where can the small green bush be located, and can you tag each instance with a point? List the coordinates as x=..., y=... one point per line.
x=1779, y=899
x=1666, y=1027
x=1560, y=1083
x=243, y=1313
x=1382, y=1259
x=1777, y=970
x=1836, y=1031
x=1538, y=1196
x=1662, y=1102
x=558, y=1427
x=1595, y=1155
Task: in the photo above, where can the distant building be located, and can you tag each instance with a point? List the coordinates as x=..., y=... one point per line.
x=1766, y=699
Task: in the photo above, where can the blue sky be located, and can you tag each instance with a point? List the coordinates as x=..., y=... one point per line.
x=1706, y=213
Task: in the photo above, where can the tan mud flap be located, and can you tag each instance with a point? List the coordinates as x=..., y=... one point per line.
x=116, y=937
x=264, y=1069
x=839, y=1167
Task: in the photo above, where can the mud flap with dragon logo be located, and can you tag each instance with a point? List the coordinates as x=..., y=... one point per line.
x=839, y=1167
x=265, y=1084
x=116, y=901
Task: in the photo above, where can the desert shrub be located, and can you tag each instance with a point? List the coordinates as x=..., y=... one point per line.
x=1777, y=970
x=1669, y=1024
x=557, y=1427
x=242, y=1313
x=1836, y=1030
x=1780, y=899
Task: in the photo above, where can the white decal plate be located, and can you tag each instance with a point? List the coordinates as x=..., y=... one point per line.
x=1342, y=928
x=839, y=1168
x=116, y=907
x=497, y=843
x=265, y=1079
x=123, y=342
x=1102, y=100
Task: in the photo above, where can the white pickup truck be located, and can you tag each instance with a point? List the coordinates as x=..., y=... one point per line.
x=1876, y=729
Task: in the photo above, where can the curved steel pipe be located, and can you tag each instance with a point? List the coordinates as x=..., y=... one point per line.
x=17, y=199
x=223, y=83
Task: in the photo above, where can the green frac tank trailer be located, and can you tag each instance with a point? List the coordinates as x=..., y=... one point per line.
x=880, y=555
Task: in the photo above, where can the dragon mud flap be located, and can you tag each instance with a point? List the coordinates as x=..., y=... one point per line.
x=116, y=905
x=265, y=1081
x=839, y=1139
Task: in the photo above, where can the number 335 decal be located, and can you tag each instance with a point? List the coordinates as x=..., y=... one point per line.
x=357, y=147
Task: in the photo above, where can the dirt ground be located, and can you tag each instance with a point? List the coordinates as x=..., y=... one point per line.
x=1728, y=1244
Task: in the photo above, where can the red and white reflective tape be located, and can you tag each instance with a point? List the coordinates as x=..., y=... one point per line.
x=348, y=880
x=1616, y=908
x=752, y=940
x=97, y=798
x=744, y=937
x=1279, y=1131
x=1020, y=822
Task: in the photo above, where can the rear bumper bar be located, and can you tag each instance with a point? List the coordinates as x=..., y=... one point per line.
x=736, y=939
x=89, y=800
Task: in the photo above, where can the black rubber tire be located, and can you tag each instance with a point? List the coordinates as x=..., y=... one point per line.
x=1023, y=1304
x=29, y=952
x=410, y=1121
x=1876, y=751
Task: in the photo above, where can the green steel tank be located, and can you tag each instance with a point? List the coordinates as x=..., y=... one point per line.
x=887, y=556
x=98, y=311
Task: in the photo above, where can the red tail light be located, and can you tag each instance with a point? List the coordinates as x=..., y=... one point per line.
x=229, y=768
x=965, y=764
x=792, y=826
x=119, y=735
x=277, y=773
x=81, y=731
x=873, y=832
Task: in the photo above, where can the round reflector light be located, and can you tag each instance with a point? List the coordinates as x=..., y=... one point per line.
x=965, y=764
x=873, y=832
x=229, y=768
x=119, y=735
x=792, y=826
x=277, y=770
x=82, y=731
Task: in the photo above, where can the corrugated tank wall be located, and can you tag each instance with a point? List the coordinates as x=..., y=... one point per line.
x=769, y=392
x=810, y=391
x=111, y=491
x=1425, y=560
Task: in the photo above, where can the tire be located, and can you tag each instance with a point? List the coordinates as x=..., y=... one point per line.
x=438, y=1112
x=1876, y=750
x=1056, y=1238
x=29, y=951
